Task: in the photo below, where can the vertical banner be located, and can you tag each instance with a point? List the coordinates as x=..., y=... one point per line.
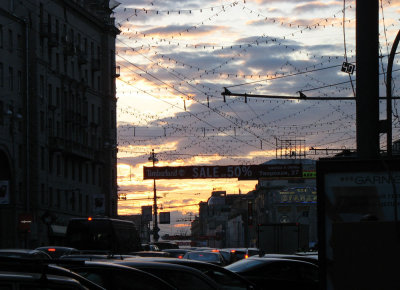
x=4, y=192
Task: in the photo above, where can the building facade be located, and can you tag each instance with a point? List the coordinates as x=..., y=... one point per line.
x=231, y=220
x=57, y=117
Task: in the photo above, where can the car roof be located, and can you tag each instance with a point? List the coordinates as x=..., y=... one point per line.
x=167, y=266
x=24, y=253
x=111, y=265
x=36, y=278
x=43, y=267
x=264, y=261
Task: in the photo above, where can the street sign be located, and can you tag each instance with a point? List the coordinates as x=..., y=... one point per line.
x=241, y=172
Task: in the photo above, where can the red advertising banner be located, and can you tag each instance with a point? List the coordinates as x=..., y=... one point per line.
x=241, y=172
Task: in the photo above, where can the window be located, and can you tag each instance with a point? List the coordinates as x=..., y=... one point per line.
x=42, y=121
x=10, y=40
x=19, y=82
x=1, y=36
x=42, y=158
x=1, y=115
x=58, y=165
x=50, y=196
x=43, y=194
x=58, y=200
x=50, y=94
x=1, y=75
x=11, y=78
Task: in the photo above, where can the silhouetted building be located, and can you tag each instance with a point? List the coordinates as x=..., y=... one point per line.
x=288, y=200
x=57, y=117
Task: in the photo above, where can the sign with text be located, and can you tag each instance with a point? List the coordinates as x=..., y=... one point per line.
x=241, y=172
x=358, y=206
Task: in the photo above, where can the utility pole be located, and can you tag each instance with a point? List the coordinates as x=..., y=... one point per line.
x=367, y=78
x=156, y=229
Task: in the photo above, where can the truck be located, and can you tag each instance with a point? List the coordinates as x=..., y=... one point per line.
x=283, y=238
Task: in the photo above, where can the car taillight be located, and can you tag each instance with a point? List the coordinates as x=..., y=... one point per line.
x=180, y=257
x=215, y=251
x=246, y=256
x=51, y=250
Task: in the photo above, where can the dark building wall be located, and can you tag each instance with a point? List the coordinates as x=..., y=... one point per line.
x=60, y=134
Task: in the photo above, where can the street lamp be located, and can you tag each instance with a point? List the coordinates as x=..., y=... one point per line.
x=156, y=229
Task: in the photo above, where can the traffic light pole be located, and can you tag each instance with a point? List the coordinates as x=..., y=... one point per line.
x=155, y=223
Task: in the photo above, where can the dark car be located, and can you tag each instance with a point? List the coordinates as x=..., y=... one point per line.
x=166, y=245
x=58, y=251
x=150, y=247
x=224, y=278
x=24, y=253
x=150, y=254
x=95, y=257
x=237, y=254
x=308, y=258
x=275, y=273
x=114, y=276
x=22, y=280
x=209, y=257
x=176, y=253
x=43, y=268
x=181, y=277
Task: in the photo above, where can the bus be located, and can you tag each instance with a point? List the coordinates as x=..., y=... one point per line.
x=103, y=235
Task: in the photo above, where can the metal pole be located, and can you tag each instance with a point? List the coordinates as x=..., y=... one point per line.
x=367, y=93
x=389, y=95
x=155, y=224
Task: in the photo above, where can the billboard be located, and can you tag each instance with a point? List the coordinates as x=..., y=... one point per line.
x=241, y=172
x=358, y=215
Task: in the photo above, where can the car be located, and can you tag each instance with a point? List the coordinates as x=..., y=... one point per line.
x=205, y=256
x=308, y=258
x=166, y=245
x=180, y=276
x=22, y=280
x=114, y=276
x=57, y=251
x=95, y=257
x=176, y=253
x=150, y=254
x=224, y=278
x=277, y=273
x=240, y=253
x=44, y=268
x=150, y=247
x=25, y=253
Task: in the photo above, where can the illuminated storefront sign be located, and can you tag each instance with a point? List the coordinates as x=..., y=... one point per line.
x=297, y=195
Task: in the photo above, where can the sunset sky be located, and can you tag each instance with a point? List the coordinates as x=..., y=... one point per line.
x=176, y=58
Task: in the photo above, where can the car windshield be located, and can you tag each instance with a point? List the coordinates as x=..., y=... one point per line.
x=243, y=265
x=204, y=256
